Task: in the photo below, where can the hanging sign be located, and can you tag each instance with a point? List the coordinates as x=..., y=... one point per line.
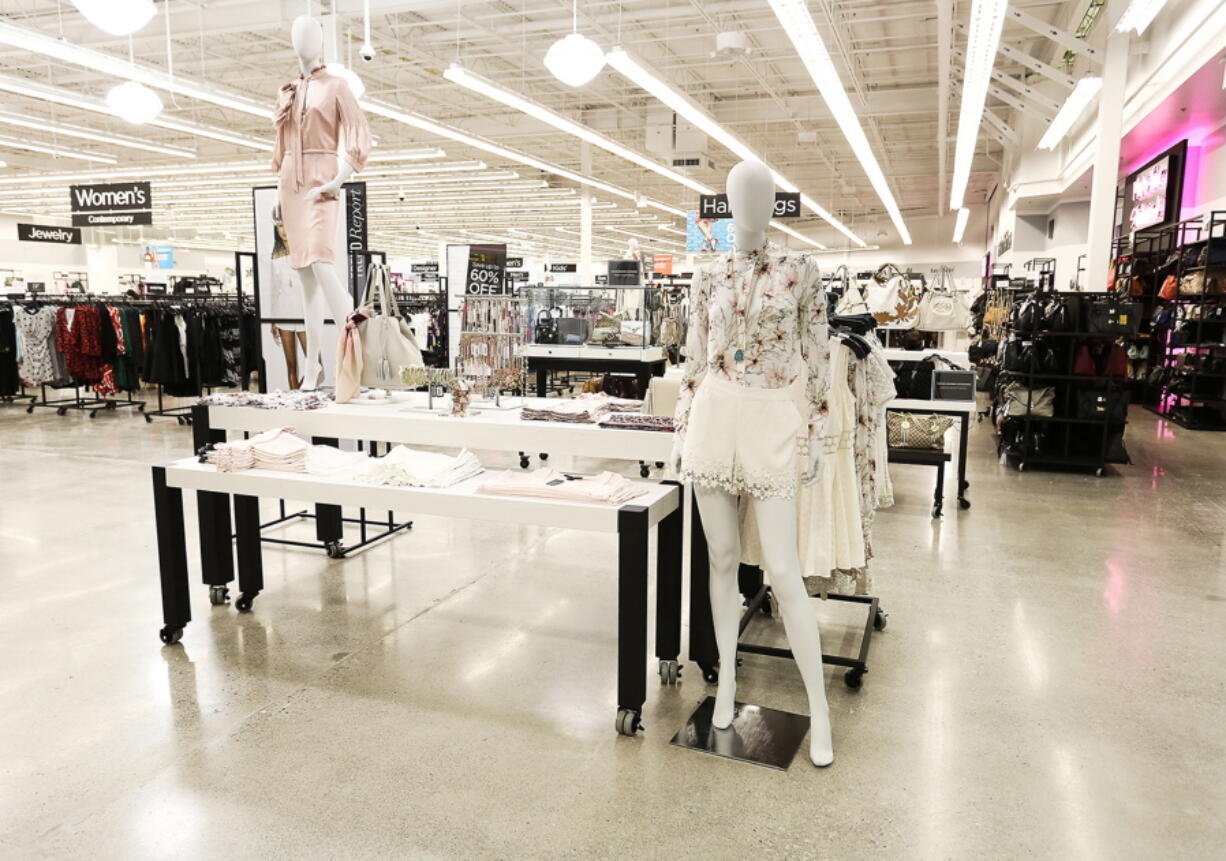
x=165, y=255
x=486, y=267
x=601, y=280
x=662, y=264
x=114, y=203
x=355, y=229
x=787, y=205
x=428, y=271
x=518, y=277
x=515, y=263
x=48, y=233
x=555, y=268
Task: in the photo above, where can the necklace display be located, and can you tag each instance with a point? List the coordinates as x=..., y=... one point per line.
x=747, y=288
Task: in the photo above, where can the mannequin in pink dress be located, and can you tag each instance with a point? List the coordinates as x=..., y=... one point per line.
x=322, y=140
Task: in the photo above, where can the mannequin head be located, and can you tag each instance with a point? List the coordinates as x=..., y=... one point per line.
x=751, y=197
x=308, y=40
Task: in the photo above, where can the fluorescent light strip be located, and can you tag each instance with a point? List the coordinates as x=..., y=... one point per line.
x=72, y=99
x=459, y=75
x=1072, y=109
x=796, y=21
x=9, y=118
x=644, y=77
x=405, y=154
x=435, y=128
x=960, y=225
x=59, y=152
x=1139, y=15
x=983, y=40
x=119, y=67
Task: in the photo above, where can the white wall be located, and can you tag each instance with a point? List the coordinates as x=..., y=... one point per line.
x=37, y=260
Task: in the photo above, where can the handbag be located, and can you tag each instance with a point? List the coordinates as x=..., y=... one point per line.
x=546, y=329
x=851, y=302
x=942, y=310
x=985, y=378
x=1102, y=404
x=894, y=304
x=1061, y=314
x=1021, y=401
x=982, y=350
x=387, y=341
x=917, y=430
x=1027, y=316
x=1112, y=318
x=1117, y=362
x=1169, y=289
x=1192, y=284
x=1083, y=363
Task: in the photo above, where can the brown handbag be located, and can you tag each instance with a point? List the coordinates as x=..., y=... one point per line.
x=917, y=430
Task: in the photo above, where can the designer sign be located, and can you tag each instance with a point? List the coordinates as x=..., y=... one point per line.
x=114, y=203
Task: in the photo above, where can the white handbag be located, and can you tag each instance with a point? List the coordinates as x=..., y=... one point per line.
x=387, y=341
x=942, y=310
x=894, y=304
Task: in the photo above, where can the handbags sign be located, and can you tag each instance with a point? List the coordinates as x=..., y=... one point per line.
x=116, y=203
x=47, y=233
x=787, y=205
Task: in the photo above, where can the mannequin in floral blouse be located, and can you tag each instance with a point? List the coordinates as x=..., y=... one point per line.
x=748, y=421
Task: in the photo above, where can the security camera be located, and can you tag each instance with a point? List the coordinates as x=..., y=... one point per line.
x=400, y=195
x=367, y=51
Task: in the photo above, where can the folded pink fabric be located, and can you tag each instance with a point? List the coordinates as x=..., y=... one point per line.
x=606, y=488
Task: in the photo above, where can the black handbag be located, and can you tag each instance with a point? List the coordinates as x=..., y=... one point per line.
x=1062, y=314
x=546, y=330
x=913, y=379
x=982, y=350
x=1027, y=316
x=985, y=378
x=1113, y=318
x=1102, y=403
x=1016, y=356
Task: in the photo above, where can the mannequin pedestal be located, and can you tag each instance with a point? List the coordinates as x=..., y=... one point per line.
x=757, y=734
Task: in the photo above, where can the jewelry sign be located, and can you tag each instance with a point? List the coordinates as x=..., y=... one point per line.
x=114, y=203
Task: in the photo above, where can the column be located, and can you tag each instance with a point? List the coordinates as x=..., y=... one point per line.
x=585, y=218
x=1107, y=158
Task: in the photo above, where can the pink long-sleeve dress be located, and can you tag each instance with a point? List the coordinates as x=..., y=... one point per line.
x=317, y=118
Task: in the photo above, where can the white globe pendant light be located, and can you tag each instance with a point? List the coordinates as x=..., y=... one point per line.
x=117, y=17
x=134, y=102
x=575, y=60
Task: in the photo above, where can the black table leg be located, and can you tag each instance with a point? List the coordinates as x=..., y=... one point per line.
x=250, y=561
x=172, y=557
x=542, y=383
x=669, y=538
x=213, y=516
x=632, y=535
x=702, y=626
x=642, y=379
x=329, y=527
x=963, y=484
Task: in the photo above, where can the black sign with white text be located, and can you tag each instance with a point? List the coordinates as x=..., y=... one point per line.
x=355, y=229
x=563, y=267
x=787, y=205
x=427, y=271
x=114, y=203
x=486, y=265
x=515, y=263
x=602, y=279
x=48, y=233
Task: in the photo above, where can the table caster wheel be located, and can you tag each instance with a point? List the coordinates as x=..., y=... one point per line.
x=219, y=595
x=187, y=420
x=244, y=602
x=964, y=504
x=30, y=409
x=670, y=672
x=61, y=411
x=148, y=420
x=628, y=722
x=140, y=408
x=335, y=550
x=710, y=675
x=544, y=455
x=936, y=512
x=1021, y=467
x=170, y=636
x=179, y=421
x=524, y=463
x=853, y=679
x=644, y=471
x=879, y=620
x=93, y=414
x=1100, y=472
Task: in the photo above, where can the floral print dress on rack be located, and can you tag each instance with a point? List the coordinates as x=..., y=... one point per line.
x=778, y=295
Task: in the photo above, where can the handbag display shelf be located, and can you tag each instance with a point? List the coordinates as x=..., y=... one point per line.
x=1051, y=384
x=659, y=507
x=1187, y=321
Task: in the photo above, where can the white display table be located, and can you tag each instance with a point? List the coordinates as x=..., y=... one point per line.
x=659, y=506
x=961, y=410
x=643, y=362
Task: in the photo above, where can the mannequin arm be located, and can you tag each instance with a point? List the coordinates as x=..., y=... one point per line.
x=695, y=363
x=344, y=170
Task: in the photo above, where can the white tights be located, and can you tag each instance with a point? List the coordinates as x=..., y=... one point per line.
x=777, y=530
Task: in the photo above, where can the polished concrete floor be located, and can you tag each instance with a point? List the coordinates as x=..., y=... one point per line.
x=1052, y=683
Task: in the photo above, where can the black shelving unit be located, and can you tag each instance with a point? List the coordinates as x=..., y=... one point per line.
x=1191, y=351
x=1067, y=439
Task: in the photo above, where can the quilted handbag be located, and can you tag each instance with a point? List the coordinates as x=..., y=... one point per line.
x=386, y=339
x=1021, y=401
x=942, y=310
x=917, y=430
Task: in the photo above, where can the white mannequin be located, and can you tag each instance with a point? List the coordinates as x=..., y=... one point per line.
x=321, y=286
x=751, y=197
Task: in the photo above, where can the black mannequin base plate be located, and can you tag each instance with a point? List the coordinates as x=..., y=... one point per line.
x=757, y=735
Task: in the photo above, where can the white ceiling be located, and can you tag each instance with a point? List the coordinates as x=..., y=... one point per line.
x=886, y=53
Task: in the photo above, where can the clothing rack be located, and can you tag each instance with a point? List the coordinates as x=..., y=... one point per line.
x=434, y=304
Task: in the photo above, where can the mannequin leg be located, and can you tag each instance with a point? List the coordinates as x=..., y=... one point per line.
x=323, y=296
x=289, y=346
x=719, y=520
x=777, y=531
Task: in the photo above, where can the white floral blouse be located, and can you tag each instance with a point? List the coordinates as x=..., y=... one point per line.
x=778, y=298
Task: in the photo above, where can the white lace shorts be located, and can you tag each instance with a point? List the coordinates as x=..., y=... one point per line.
x=744, y=440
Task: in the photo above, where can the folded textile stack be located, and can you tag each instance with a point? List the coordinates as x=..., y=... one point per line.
x=545, y=483
x=275, y=449
x=638, y=421
x=406, y=467
x=571, y=411
x=616, y=405
x=277, y=400
x=330, y=462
